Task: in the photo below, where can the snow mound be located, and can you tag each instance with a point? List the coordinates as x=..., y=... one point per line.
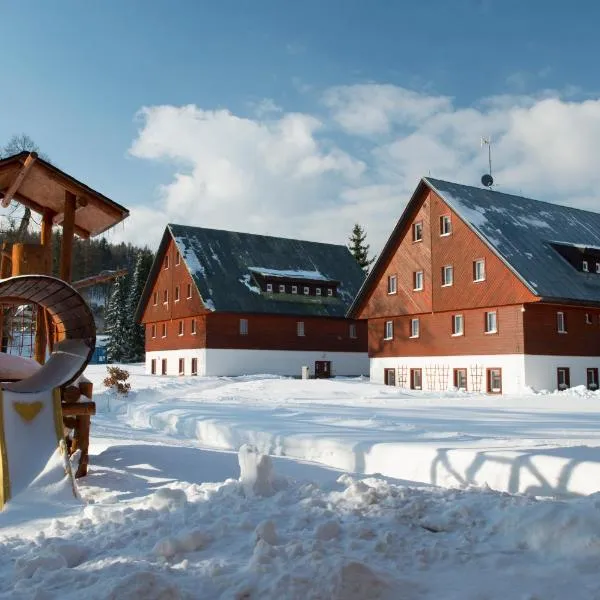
x=146, y=585
x=256, y=471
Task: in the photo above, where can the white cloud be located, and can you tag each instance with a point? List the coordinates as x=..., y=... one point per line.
x=292, y=174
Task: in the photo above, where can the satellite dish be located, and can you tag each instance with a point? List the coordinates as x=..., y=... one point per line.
x=487, y=180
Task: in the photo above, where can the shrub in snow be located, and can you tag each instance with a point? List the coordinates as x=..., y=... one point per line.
x=256, y=471
x=117, y=380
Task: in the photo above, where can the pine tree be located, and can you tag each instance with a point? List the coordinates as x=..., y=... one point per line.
x=116, y=321
x=359, y=249
x=136, y=338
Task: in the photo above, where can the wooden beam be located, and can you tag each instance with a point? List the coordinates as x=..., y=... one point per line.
x=77, y=409
x=41, y=331
x=38, y=208
x=60, y=217
x=100, y=278
x=66, y=251
x=18, y=180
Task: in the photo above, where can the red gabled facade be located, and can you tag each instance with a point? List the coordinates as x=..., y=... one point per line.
x=524, y=323
x=176, y=319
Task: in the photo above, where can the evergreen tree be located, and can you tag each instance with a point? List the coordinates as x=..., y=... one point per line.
x=116, y=322
x=136, y=337
x=359, y=249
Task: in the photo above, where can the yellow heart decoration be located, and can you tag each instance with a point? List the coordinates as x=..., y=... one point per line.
x=28, y=410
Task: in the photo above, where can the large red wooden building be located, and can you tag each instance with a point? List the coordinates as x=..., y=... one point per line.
x=226, y=303
x=486, y=291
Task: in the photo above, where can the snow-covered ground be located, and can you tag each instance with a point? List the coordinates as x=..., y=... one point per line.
x=166, y=517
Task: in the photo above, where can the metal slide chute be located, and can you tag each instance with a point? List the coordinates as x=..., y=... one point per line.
x=73, y=327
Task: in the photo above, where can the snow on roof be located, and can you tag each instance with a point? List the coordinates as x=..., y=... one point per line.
x=223, y=265
x=522, y=230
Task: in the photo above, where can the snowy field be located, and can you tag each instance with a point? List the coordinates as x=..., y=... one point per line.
x=166, y=516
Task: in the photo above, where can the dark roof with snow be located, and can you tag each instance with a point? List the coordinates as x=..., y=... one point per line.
x=534, y=239
x=228, y=267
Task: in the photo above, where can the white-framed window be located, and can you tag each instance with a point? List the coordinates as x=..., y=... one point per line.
x=418, y=281
x=294, y=289
x=415, y=328
x=181, y=366
x=588, y=319
x=445, y=225
x=447, y=275
x=189, y=290
x=155, y=298
x=389, y=330
x=329, y=292
x=177, y=259
x=491, y=322
x=166, y=297
x=243, y=326
x=181, y=328
x=584, y=266
x=392, y=284
x=417, y=231
x=352, y=332
x=176, y=293
x=318, y=291
x=598, y=267
x=194, y=367
x=153, y=330
x=164, y=330
x=166, y=261
x=479, y=270
x=306, y=290
x=561, y=322
x=458, y=325
x=282, y=288
x=269, y=288
x=193, y=327
x=300, y=328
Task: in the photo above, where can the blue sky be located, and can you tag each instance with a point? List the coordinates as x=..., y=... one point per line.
x=347, y=91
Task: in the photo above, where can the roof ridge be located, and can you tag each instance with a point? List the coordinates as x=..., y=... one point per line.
x=431, y=181
x=264, y=235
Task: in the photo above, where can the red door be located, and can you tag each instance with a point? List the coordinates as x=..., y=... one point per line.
x=322, y=369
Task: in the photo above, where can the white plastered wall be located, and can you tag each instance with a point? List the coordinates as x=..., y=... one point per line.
x=439, y=369
x=173, y=357
x=541, y=370
x=217, y=362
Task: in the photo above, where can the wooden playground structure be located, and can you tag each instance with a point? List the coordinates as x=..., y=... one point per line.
x=54, y=311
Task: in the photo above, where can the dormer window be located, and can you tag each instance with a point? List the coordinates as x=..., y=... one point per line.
x=584, y=266
x=270, y=288
x=445, y=225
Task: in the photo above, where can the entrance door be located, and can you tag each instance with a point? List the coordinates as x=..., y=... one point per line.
x=592, y=379
x=460, y=379
x=416, y=379
x=494, y=381
x=322, y=369
x=563, y=378
x=389, y=376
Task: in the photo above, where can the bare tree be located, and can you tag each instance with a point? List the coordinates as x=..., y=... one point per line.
x=19, y=143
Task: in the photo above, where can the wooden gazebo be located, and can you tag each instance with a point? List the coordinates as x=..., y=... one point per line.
x=62, y=201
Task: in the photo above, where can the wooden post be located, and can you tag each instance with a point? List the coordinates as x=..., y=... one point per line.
x=66, y=255
x=41, y=333
x=82, y=442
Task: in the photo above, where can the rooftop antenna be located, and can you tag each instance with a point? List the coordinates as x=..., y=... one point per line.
x=487, y=180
